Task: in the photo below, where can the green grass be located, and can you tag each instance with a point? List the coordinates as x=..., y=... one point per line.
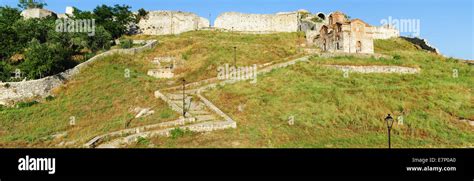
x=204, y=51
x=331, y=111
x=100, y=98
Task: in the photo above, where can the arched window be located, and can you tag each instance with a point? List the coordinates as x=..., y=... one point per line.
x=324, y=45
x=358, y=47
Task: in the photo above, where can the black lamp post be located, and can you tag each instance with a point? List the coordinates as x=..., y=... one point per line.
x=389, y=120
x=235, y=56
x=184, y=97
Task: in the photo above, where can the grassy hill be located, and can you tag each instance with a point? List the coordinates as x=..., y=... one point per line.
x=100, y=98
x=329, y=110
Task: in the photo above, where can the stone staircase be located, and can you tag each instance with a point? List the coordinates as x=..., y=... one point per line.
x=201, y=114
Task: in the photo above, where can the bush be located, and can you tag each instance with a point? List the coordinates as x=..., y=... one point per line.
x=5, y=71
x=26, y=104
x=126, y=43
x=45, y=59
x=397, y=57
x=177, y=132
x=143, y=141
x=50, y=98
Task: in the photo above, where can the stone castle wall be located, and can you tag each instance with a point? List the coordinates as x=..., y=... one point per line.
x=264, y=23
x=384, y=32
x=36, y=13
x=171, y=22
x=11, y=92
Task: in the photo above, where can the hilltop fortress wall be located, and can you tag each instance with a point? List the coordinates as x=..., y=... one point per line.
x=263, y=23
x=171, y=22
x=385, y=32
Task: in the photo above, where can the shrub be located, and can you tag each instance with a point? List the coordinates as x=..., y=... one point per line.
x=5, y=71
x=45, y=59
x=50, y=98
x=178, y=132
x=143, y=141
x=26, y=104
x=397, y=57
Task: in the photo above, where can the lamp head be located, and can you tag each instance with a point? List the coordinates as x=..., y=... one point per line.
x=389, y=120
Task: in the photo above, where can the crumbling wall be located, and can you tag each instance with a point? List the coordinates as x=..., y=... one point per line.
x=384, y=32
x=36, y=13
x=171, y=22
x=263, y=23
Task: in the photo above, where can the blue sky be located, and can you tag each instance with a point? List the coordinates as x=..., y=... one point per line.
x=447, y=24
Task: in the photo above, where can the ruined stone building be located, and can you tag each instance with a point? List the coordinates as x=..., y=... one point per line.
x=36, y=13
x=258, y=23
x=171, y=22
x=385, y=32
x=345, y=36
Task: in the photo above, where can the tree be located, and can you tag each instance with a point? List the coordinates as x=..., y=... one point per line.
x=115, y=20
x=5, y=71
x=45, y=59
x=8, y=45
x=101, y=40
x=142, y=13
x=26, y=4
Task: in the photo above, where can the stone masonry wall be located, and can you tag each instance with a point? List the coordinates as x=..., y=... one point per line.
x=11, y=92
x=263, y=23
x=384, y=32
x=171, y=22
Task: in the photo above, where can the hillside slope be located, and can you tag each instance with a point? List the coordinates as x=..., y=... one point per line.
x=329, y=110
x=101, y=98
x=333, y=111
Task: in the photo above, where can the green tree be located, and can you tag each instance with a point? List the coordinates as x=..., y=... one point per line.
x=8, y=16
x=25, y=4
x=142, y=13
x=115, y=20
x=5, y=71
x=34, y=28
x=45, y=59
x=101, y=40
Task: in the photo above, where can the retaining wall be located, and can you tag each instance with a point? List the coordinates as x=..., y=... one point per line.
x=11, y=92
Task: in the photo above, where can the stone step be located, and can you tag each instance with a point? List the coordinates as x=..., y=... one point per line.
x=176, y=96
x=196, y=113
x=195, y=106
x=178, y=103
x=198, y=127
x=206, y=117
